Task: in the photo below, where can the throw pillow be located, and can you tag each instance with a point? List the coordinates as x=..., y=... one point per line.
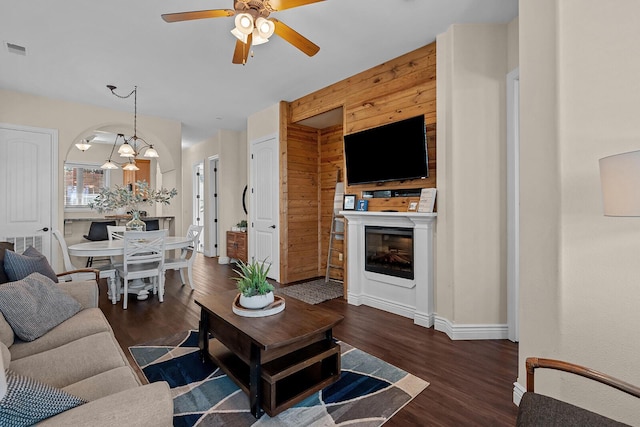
x=35, y=305
x=4, y=246
x=19, y=266
x=29, y=401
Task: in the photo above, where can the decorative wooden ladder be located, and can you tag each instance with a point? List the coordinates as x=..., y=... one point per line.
x=337, y=228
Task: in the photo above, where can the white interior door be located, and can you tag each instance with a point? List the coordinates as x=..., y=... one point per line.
x=28, y=187
x=264, y=238
x=212, y=223
x=198, y=200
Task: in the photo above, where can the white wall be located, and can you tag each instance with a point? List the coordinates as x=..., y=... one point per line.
x=231, y=149
x=471, y=156
x=580, y=294
x=263, y=123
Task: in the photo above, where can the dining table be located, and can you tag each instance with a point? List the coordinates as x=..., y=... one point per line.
x=116, y=247
x=113, y=248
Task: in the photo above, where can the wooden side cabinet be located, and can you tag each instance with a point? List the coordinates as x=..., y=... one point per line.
x=237, y=245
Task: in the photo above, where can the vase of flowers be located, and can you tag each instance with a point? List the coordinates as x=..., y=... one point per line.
x=112, y=199
x=136, y=224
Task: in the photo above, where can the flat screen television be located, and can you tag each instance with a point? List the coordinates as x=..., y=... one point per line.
x=393, y=152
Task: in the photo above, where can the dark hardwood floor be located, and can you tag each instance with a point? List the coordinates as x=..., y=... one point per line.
x=471, y=382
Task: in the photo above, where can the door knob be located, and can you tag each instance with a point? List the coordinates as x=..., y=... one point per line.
x=44, y=229
x=272, y=226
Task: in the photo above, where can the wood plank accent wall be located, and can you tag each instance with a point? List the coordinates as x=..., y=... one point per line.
x=401, y=88
x=331, y=168
x=303, y=200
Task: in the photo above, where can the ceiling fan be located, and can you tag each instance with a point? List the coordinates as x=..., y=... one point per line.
x=253, y=25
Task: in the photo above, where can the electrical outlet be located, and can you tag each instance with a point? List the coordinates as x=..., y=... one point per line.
x=340, y=256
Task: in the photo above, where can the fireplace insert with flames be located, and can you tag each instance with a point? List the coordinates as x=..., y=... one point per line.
x=389, y=250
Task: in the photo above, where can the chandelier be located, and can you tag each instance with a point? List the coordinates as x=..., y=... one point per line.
x=130, y=148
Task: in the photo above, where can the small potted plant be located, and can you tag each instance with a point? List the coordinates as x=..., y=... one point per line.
x=255, y=291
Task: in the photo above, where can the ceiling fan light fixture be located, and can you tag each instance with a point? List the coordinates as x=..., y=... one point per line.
x=257, y=38
x=240, y=36
x=244, y=23
x=265, y=28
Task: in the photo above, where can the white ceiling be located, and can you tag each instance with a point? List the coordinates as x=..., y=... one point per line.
x=183, y=70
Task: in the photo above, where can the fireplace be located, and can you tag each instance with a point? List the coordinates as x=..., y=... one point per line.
x=389, y=250
x=413, y=234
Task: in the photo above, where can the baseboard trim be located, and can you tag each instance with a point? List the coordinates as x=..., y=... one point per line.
x=224, y=260
x=518, y=391
x=391, y=307
x=471, y=332
x=419, y=318
x=423, y=319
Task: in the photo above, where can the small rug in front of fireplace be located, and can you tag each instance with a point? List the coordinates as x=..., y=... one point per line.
x=314, y=291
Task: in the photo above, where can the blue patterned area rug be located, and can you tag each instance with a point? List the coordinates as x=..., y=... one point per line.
x=368, y=393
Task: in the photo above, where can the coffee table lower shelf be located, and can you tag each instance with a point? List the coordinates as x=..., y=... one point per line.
x=286, y=380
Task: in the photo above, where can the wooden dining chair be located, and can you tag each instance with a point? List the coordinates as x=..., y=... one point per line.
x=187, y=256
x=107, y=271
x=143, y=258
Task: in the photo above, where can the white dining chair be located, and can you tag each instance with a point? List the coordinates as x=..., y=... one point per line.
x=107, y=271
x=143, y=258
x=187, y=256
x=116, y=232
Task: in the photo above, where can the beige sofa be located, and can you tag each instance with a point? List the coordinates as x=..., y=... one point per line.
x=82, y=357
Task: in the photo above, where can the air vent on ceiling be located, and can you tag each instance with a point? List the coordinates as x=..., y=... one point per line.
x=17, y=49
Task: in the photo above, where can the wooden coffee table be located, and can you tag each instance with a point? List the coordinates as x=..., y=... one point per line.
x=277, y=360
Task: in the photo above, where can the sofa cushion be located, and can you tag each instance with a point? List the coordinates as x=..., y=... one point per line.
x=3, y=247
x=86, y=322
x=17, y=266
x=6, y=333
x=85, y=292
x=28, y=401
x=73, y=362
x=104, y=384
x=122, y=409
x=6, y=355
x=35, y=305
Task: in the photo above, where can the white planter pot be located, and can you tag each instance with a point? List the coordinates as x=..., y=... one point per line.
x=256, y=301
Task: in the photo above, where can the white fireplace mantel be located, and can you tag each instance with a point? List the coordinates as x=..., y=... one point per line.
x=412, y=298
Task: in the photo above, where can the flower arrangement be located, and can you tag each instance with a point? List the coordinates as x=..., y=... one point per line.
x=122, y=197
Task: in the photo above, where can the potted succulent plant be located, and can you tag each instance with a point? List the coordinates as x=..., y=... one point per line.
x=255, y=291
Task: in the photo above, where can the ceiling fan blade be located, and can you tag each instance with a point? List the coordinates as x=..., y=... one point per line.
x=288, y=4
x=200, y=14
x=241, y=53
x=295, y=38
